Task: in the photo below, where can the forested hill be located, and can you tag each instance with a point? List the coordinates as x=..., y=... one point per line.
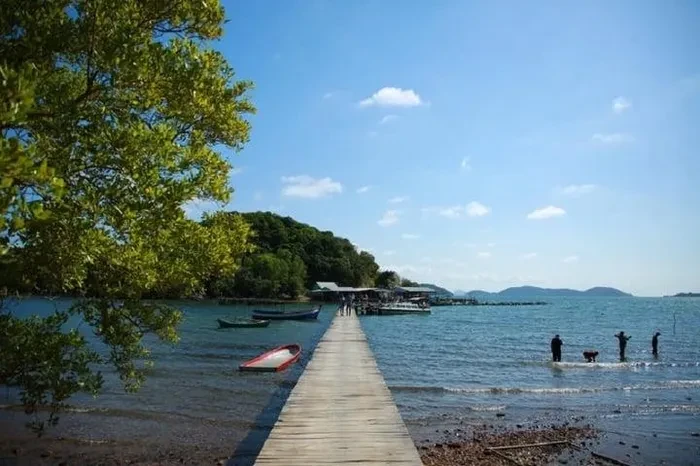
x=290, y=256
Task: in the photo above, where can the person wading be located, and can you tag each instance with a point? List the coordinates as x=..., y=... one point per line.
x=655, y=344
x=556, y=348
x=623, y=344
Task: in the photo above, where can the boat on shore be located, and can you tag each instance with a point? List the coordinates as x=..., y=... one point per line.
x=310, y=314
x=242, y=323
x=402, y=308
x=274, y=360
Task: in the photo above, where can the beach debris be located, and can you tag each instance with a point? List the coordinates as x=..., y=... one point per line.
x=695, y=434
x=530, y=445
x=609, y=459
x=506, y=457
x=493, y=447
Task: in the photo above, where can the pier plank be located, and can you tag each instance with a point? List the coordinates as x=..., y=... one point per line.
x=341, y=410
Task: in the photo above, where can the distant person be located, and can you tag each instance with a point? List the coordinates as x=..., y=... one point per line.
x=556, y=348
x=590, y=355
x=623, y=339
x=655, y=344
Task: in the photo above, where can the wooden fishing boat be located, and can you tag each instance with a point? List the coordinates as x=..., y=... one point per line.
x=274, y=360
x=286, y=315
x=242, y=323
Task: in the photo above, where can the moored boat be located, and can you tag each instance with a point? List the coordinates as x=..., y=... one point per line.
x=402, y=308
x=242, y=323
x=274, y=360
x=291, y=315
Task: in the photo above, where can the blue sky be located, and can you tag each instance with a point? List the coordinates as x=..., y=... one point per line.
x=480, y=144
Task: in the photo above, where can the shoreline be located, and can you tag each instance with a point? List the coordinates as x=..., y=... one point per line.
x=567, y=442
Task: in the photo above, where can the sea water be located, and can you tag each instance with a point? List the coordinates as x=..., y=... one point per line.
x=466, y=364
x=462, y=364
x=194, y=394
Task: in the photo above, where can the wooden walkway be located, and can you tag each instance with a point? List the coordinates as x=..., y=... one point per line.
x=341, y=410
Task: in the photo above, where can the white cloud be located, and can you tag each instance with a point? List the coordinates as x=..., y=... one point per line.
x=451, y=212
x=612, y=138
x=328, y=95
x=363, y=189
x=473, y=209
x=464, y=165
x=387, y=118
x=576, y=190
x=393, y=97
x=477, y=209
x=546, y=212
x=310, y=188
x=410, y=236
x=528, y=256
x=409, y=269
x=196, y=208
x=484, y=255
x=389, y=218
x=389, y=253
x=570, y=259
x=491, y=245
x=620, y=104
x=397, y=199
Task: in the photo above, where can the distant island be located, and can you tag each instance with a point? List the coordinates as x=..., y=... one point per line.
x=685, y=295
x=534, y=291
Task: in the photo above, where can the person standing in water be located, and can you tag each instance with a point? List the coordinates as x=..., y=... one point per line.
x=623, y=344
x=655, y=345
x=556, y=348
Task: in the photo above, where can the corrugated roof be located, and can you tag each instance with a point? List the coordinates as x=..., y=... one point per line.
x=416, y=289
x=330, y=286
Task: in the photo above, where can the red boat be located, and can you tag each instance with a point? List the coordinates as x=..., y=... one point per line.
x=274, y=360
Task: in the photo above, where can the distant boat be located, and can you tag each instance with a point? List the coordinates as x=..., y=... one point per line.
x=290, y=315
x=274, y=360
x=402, y=308
x=242, y=323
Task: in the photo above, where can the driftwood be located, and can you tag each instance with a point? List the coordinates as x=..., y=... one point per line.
x=506, y=457
x=530, y=445
x=574, y=446
x=607, y=458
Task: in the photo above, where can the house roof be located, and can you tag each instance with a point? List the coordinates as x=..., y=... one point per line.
x=328, y=286
x=331, y=286
x=415, y=289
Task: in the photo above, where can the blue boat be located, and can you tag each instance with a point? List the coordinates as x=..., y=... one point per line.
x=286, y=315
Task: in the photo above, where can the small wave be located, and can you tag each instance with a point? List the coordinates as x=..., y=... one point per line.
x=619, y=365
x=666, y=385
x=488, y=408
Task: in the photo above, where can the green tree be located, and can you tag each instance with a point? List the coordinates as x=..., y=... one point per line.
x=407, y=282
x=388, y=279
x=110, y=116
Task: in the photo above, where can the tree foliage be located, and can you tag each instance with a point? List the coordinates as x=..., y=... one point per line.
x=388, y=279
x=110, y=114
x=291, y=256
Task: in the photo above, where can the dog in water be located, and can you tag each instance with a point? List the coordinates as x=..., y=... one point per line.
x=590, y=355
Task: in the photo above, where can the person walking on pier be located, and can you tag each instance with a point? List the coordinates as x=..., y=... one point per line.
x=655, y=345
x=623, y=339
x=556, y=348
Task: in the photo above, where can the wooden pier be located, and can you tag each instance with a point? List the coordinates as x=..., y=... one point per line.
x=340, y=411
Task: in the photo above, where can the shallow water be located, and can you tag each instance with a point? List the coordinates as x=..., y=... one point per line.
x=465, y=364
x=458, y=365
x=194, y=393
